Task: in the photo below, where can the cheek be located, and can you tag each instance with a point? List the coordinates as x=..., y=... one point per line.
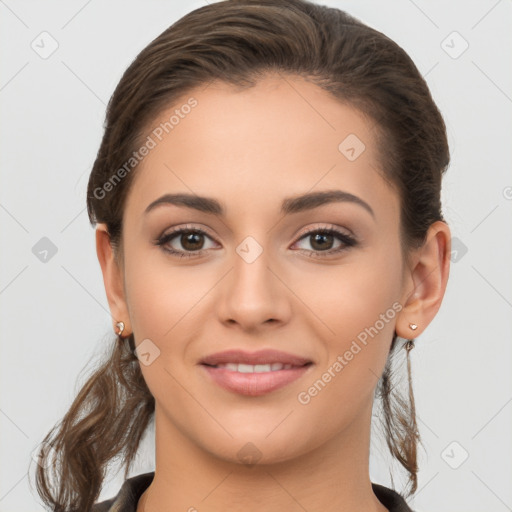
x=352, y=296
x=163, y=306
x=359, y=303
x=161, y=297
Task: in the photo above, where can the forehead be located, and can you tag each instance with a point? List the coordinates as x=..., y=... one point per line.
x=282, y=137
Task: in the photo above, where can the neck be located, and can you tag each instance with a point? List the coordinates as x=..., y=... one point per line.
x=331, y=478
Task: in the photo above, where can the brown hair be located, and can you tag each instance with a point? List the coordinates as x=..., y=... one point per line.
x=237, y=42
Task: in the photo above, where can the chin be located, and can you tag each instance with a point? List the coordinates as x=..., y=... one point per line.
x=257, y=448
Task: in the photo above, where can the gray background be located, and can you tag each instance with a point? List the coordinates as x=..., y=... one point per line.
x=54, y=313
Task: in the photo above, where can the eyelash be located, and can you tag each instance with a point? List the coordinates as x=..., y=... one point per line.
x=347, y=240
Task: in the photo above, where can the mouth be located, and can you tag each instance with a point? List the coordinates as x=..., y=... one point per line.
x=255, y=368
x=260, y=357
x=254, y=374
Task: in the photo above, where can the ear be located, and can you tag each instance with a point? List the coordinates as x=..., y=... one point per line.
x=112, y=279
x=426, y=282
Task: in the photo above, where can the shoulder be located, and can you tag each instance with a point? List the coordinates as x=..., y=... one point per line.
x=393, y=501
x=128, y=496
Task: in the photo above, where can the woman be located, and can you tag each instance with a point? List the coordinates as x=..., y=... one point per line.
x=268, y=223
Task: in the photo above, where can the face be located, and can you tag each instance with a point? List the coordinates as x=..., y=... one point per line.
x=320, y=281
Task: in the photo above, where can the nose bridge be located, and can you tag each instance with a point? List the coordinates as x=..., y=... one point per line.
x=251, y=275
x=253, y=294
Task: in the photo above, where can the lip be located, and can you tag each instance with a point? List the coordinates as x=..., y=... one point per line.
x=254, y=384
x=264, y=356
x=258, y=383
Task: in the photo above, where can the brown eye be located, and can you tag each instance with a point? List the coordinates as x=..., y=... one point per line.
x=184, y=242
x=323, y=242
x=192, y=241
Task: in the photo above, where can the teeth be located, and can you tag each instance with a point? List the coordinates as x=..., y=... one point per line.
x=254, y=368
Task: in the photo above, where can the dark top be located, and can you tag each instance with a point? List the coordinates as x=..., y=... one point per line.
x=132, y=489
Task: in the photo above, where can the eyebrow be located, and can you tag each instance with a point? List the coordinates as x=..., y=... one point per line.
x=290, y=205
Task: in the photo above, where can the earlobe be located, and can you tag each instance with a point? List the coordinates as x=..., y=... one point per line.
x=429, y=277
x=112, y=279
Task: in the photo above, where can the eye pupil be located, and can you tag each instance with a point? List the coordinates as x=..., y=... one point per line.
x=189, y=239
x=319, y=237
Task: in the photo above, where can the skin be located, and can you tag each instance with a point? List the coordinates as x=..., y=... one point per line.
x=250, y=150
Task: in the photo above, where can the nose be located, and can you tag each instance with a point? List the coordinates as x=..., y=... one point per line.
x=253, y=295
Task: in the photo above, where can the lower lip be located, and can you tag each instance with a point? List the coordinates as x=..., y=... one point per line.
x=254, y=384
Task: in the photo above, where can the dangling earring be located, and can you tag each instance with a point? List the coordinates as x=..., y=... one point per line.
x=120, y=326
x=412, y=429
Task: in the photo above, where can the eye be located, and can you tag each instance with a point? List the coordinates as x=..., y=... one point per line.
x=323, y=241
x=190, y=239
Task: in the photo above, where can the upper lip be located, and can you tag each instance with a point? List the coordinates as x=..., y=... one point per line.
x=266, y=356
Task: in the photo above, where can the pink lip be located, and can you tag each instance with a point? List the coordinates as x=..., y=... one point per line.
x=264, y=356
x=254, y=384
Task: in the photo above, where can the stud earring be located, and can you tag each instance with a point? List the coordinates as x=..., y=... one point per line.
x=413, y=327
x=120, y=326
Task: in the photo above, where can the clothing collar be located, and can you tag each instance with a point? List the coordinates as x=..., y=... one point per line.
x=133, y=488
